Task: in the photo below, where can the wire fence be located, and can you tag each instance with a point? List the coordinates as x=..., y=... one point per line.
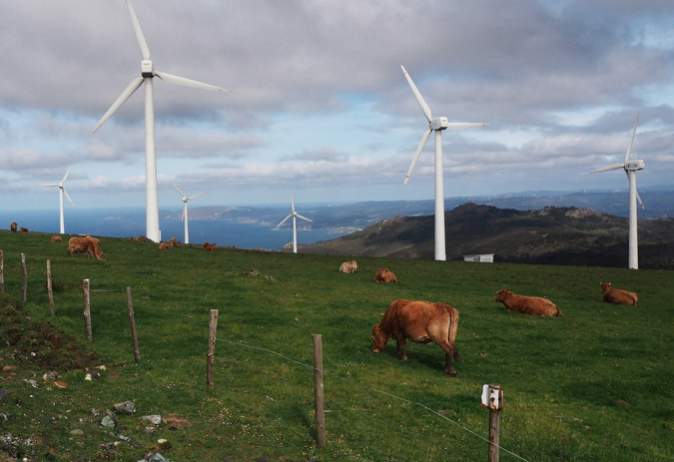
x=336, y=424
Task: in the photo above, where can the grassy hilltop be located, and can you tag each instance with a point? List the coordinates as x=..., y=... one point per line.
x=593, y=385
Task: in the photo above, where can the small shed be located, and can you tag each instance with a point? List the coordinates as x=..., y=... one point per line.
x=484, y=258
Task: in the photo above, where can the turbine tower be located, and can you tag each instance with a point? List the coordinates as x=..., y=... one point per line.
x=147, y=74
x=62, y=191
x=184, y=217
x=631, y=167
x=437, y=125
x=295, y=216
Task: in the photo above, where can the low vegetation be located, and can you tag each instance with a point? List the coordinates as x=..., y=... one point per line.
x=593, y=385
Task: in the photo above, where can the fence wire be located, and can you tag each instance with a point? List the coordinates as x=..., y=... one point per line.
x=374, y=390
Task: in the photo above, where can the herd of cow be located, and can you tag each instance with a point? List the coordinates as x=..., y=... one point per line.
x=426, y=322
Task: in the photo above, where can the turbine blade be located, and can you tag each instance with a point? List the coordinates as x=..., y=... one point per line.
x=460, y=125
x=422, y=144
x=629, y=150
x=187, y=82
x=304, y=218
x=640, y=201
x=181, y=193
x=424, y=107
x=182, y=216
x=144, y=50
x=292, y=203
x=46, y=185
x=64, y=192
x=284, y=220
x=67, y=173
x=126, y=94
x=610, y=167
x=194, y=197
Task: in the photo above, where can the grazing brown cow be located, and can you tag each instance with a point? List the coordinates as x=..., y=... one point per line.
x=87, y=245
x=13, y=227
x=617, y=296
x=534, y=306
x=210, y=247
x=23, y=230
x=56, y=238
x=166, y=245
x=384, y=275
x=349, y=267
x=421, y=322
x=174, y=241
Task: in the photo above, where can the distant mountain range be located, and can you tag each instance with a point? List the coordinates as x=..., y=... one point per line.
x=552, y=235
x=344, y=219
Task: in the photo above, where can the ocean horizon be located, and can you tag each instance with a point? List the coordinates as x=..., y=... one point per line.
x=130, y=222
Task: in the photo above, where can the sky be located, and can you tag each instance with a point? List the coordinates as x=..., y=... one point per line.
x=319, y=106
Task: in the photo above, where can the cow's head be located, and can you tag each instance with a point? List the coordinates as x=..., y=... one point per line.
x=605, y=286
x=501, y=295
x=379, y=339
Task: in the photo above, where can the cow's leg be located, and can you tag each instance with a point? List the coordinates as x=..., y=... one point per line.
x=449, y=353
x=402, y=348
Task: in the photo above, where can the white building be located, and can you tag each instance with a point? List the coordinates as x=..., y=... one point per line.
x=484, y=258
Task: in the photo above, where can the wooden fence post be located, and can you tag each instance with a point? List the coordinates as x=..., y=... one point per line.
x=212, y=332
x=318, y=389
x=24, y=288
x=87, y=309
x=49, y=289
x=132, y=319
x=2, y=271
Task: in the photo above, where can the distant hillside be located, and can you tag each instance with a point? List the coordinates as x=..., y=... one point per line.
x=553, y=235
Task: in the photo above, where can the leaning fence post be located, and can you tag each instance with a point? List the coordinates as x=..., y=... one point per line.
x=318, y=389
x=132, y=319
x=2, y=271
x=49, y=289
x=212, y=332
x=24, y=288
x=87, y=309
x=492, y=398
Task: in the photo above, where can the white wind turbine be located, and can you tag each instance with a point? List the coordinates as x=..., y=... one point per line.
x=437, y=125
x=184, y=217
x=631, y=167
x=147, y=74
x=295, y=216
x=62, y=191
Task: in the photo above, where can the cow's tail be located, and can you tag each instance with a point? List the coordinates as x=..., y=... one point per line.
x=453, y=327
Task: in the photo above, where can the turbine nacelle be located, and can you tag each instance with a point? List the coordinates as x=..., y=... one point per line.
x=440, y=123
x=147, y=68
x=634, y=165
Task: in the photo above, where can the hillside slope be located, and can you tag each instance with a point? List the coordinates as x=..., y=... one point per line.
x=554, y=235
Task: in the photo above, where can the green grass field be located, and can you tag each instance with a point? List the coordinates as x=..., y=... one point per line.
x=593, y=385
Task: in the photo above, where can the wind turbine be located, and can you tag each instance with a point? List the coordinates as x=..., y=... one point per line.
x=62, y=191
x=631, y=167
x=184, y=217
x=147, y=74
x=295, y=216
x=437, y=125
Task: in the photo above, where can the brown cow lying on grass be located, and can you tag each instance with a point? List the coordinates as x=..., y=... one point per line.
x=384, y=275
x=56, y=238
x=349, y=267
x=166, y=245
x=13, y=227
x=210, y=247
x=617, y=296
x=23, y=230
x=534, y=306
x=421, y=322
x=87, y=245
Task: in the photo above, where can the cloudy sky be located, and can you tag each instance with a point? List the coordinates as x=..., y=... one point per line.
x=319, y=105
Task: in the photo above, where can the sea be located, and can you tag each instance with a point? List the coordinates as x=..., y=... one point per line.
x=130, y=222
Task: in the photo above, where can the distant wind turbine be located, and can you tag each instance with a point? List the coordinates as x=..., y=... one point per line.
x=631, y=167
x=62, y=191
x=184, y=217
x=148, y=73
x=437, y=125
x=295, y=216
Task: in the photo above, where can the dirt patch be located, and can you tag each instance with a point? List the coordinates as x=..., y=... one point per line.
x=40, y=343
x=176, y=420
